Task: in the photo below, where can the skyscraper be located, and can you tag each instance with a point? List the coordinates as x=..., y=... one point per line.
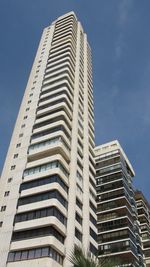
x=47, y=187
x=143, y=209
x=118, y=229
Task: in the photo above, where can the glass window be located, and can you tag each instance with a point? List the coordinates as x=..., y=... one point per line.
x=31, y=254
x=43, y=168
x=51, y=253
x=24, y=255
x=50, y=212
x=38, y=252
x=30, y=216
x=17, y=256
x=45, y=252
x=11, y=256
x=43, y=213
x=37, y=214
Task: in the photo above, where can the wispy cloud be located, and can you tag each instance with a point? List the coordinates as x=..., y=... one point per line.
x=124, y=9
x=122, y=21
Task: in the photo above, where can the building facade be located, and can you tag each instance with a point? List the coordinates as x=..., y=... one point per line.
x=118, y=230
x=47, y=187
x=143, y=209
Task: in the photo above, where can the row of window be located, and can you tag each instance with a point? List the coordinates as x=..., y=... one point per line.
x=114, y=224
x=49, y=131
x=66, y=63
x=40, y=213
x=57, y=87
x=108, y=162
x=117, y=247
x=67, y=54
x=109, y=178
x=44, y=181
x=51, y=141
x=110, y=186
x=50, y=121
x=56, y=102
x=54, y=112
x=35, y=233
x=42, y=197
x=55, y=94
x=63, y=71
x=35, y=254
x=45, y=167
x=112, y=236
x=114, y=194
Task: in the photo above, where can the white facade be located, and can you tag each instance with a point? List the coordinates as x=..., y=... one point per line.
x=47, y=192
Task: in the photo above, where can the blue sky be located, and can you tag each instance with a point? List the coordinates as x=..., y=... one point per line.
x=119, y=35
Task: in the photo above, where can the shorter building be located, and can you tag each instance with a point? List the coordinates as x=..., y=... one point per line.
x=118, y=228
x=143, y=209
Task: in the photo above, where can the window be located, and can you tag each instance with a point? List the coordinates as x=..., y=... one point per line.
x=55, y=140
x=92, y=219
x=31, y=95
x=18, y=145
x=1, y=223
x=93, y=234
x=40, y=213
x=44, y=252
x=78, y=218
x=25, y=117
x=17, y=256
x=27, y=109
x=31, y=254
x=93, y=249
x=79, y=189
x=35, y=254
x=13, y=167
x=9, y=180
x=15, y=156
x=92, y=207
x=45, y=167
x=6, y=194
x=11, y=257
x=24, y=255
x=38, y=253
x=29, y=101
x=52, y=130
x=23, y=125
x=44, y=181
x=37, y=232
x=43, y=196
x=3, y=208
x=78, y=234
x=20, y=135
x=79, y=204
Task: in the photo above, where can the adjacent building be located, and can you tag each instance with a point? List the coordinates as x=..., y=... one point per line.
x=47, y=187
x=143, y=209
x=118, y=230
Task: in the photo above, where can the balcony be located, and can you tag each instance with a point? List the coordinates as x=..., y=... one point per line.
x=49, y=148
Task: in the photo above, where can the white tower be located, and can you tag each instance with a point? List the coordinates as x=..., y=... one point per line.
x=47, y=187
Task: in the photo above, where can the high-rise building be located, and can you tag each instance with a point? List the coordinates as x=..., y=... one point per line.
x=47, y=187
x=118, y=230
x=143, y=209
